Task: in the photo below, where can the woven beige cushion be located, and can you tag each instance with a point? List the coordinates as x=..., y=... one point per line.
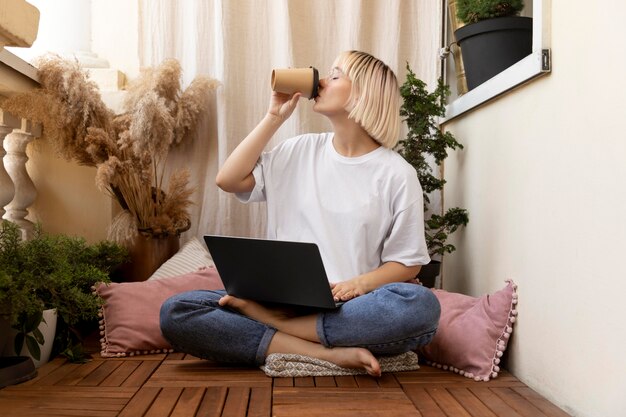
x=291, y=365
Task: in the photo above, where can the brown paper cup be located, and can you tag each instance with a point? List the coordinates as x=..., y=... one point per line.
x=296, y=80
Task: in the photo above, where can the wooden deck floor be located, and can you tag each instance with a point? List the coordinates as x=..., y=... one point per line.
x=179, y=385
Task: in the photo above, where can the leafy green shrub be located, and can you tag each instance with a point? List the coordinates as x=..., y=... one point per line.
x=472, y=11
x=51, y=271
x=425, y=142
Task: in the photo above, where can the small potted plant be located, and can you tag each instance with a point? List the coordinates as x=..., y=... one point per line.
x=426, y=143
x=493, y=38
x=51, y=272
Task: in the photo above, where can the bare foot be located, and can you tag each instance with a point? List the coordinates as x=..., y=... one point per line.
x=282, y=319
x=358, y=358
x=346, y=357
x=254, y=310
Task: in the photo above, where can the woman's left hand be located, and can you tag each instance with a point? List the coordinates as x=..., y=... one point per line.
x=347, y=290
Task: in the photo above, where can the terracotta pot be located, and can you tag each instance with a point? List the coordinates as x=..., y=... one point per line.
x=147, y=254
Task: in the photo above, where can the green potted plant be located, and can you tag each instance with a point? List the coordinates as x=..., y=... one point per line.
x=426, y=143
x=493, y=38
x=51, y=272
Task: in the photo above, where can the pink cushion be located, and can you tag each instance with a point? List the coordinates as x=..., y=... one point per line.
x=473, y=332
x=130, y=315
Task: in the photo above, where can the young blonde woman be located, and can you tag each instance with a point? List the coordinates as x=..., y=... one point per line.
x=352, y=195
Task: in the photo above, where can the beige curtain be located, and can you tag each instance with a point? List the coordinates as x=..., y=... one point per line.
x=240, y=41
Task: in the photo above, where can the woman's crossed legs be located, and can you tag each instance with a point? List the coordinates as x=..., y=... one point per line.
x=393, y=319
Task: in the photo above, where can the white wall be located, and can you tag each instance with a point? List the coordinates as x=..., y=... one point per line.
x=115, y=34
x=542, y=175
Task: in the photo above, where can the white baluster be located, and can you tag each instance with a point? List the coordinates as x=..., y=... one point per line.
x=7, y=189
x=25, y=191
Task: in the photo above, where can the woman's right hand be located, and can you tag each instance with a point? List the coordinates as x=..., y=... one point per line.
x=282, y=105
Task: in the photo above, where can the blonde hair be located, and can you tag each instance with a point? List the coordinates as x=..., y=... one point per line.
x=375, y=98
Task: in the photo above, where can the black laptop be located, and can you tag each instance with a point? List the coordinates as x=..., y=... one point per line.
x=272, y=271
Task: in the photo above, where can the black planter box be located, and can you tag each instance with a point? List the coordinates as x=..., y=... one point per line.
x=429, y=273
x=16, y=369
x=490, y=46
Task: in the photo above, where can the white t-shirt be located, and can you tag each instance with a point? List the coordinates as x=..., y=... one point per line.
x=361, y=212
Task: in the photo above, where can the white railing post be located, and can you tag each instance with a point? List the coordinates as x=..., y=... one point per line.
x=15, y=164
x=7, y=190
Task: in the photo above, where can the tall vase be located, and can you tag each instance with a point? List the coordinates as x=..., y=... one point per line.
x=147, y=254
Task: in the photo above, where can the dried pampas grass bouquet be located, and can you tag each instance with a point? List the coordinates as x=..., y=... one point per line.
x=129, y=150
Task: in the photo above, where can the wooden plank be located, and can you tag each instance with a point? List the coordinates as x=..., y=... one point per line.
x=68, y=391
x=340, y=402
x=164, y=403
x=346, y=381
x=471, y=403
x=388, y=380
x=46, y=369
x=495, y=404
x=325, y=381
x=423, y=402
x=203, y=374
x=448, y=404
x=188, y=403
x=79, y=372
x=366, y=381
x=517, y=402
x=540, y=402
x=236, y=404
x=304, y=382
x=213, y=402
x=175, y=356
x=31, y=412
x=60, y=413
x=49, y=402
x=62, y=400
x=260, y=402
x=117, y=377
x=58, y=374
x=99, y=374
x=283, y=382
x=140, y=403
x=205, y=383
x=141, y=374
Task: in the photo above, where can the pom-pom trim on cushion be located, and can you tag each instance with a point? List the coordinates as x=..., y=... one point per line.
x=104, y=346
x=500, y=346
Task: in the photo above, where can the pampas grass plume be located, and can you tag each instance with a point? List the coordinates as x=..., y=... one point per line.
x=129, y=150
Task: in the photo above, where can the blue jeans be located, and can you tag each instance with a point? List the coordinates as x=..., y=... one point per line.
x=390, y=320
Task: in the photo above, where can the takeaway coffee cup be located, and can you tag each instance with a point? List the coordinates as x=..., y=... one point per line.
x=296, y=80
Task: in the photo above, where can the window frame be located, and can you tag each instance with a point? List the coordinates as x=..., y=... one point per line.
x=536, y=64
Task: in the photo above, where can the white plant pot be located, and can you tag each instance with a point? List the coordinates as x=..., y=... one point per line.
x=48, y=328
